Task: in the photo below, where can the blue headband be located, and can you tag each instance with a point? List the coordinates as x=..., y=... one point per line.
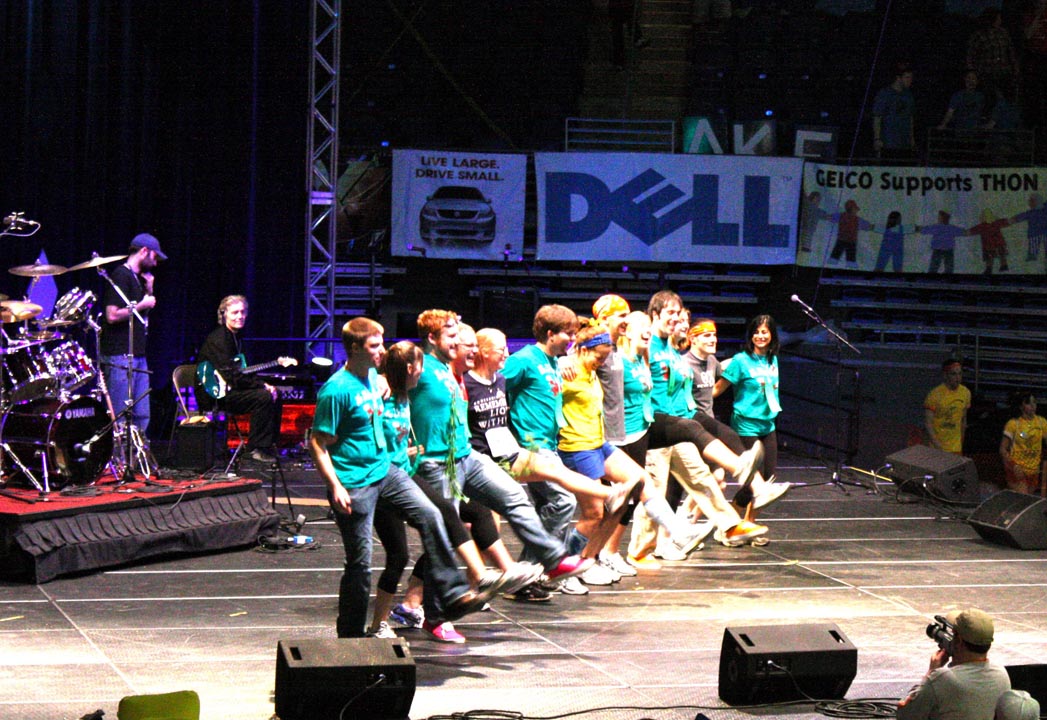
x=601, y=339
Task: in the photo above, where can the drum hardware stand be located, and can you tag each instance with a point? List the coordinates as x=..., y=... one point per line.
x=45, y=489
x=128, y=475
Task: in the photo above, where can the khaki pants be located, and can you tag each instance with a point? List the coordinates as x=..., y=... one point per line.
x=687, y=466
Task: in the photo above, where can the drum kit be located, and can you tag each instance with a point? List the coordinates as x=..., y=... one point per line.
x=55, y=428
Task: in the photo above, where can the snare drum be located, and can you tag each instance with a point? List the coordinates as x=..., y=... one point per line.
x=70, y=366
x=62, y=432
x=26, y=374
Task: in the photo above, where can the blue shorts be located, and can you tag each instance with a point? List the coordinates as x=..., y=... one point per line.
x=588, y=462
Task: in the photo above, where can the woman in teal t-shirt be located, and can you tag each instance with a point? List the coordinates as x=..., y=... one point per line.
x=754, y=376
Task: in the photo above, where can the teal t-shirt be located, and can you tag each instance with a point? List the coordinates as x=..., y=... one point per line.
x=440, y=412
x=638, y=412
x=396, y=422
x=351, y=409
x=670, y=374
x=755, y=381
x=535, y=389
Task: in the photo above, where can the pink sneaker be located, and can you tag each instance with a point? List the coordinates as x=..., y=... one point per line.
x=444, y=632
x=570, y=565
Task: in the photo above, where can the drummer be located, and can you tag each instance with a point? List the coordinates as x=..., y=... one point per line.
x=135, y=279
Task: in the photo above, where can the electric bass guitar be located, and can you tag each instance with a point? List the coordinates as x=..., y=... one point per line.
x=208, y=377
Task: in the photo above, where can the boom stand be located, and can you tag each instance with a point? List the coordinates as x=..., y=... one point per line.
x=839, y=342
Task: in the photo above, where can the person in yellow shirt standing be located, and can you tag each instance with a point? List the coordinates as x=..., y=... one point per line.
x=945, y=410
x=1022, y=447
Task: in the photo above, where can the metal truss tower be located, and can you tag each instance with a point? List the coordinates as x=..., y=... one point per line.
x=322, y=175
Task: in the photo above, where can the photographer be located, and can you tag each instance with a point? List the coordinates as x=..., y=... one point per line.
x=966, y=688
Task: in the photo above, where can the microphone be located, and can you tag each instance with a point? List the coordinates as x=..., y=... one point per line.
x=82, y=450
x=801, y=303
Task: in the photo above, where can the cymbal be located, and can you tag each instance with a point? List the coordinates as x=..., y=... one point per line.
x=54, y=323
x=3, y=297
x=96, y=262
x=17, y=311
x=37, y=270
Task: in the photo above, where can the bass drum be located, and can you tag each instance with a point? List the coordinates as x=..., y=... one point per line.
x=71, y=435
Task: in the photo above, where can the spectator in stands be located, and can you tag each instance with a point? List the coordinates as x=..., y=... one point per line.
x=966, y=107
x=945, y=409
x=1034, y=62
x=1036, y=216
x=893, y=133
x=624, y=14
x=943, y=242
x=714, y=12
x=991, y=53
x=1006, y=113
x=1021, y=448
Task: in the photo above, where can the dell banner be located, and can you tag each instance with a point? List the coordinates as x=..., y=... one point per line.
x=924, y=220
x=458, y=204
x=667, y=208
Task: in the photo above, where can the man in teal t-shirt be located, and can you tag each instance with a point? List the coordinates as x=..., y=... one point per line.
x=535, y=390
x=348, y=444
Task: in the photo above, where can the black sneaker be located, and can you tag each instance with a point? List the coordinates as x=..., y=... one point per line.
x=530, y=593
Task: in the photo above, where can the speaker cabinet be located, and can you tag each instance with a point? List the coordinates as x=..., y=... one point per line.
x=1030, y=678
x=194, y=446
x=370, y=678
x=767, y=663
x=939, y=474
x=1012, y=518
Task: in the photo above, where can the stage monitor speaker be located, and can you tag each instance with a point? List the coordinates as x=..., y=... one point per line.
x=773, y=663
x=1012, y=518
x=939, y=474
x=316, y=679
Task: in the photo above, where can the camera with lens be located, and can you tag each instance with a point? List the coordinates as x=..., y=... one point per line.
x=942, y=632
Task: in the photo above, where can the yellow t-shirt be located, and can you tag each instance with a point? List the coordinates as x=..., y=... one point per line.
x=583, y=411
x=948, y=407
x=1026, y=441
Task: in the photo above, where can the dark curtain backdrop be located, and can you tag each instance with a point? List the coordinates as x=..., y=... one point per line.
x=183, y=118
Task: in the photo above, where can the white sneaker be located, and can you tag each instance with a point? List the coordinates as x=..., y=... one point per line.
x=769, y=494
x=598, y=575
x=573, y=586
x=384, y=631
x=616, y=562
x=668, y=551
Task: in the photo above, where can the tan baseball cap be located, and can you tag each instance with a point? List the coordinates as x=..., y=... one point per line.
x=974, y=626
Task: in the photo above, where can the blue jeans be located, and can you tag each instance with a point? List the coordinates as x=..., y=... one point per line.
x=481, y=479
x=115, y=368
x=444, y=579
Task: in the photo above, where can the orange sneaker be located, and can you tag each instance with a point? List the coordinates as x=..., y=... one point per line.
x=742, y=533
x=646, y=562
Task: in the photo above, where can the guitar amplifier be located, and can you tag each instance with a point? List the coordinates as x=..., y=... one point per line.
x=291, y=387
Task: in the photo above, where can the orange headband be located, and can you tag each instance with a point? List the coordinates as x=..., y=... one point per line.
x=702, y=327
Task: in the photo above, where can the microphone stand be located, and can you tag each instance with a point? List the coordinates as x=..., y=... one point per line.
x=838, y=344
x=128, y=474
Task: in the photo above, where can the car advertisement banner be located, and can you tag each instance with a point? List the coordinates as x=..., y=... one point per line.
x=458, y=204
x=667, y=208
x=925, y=220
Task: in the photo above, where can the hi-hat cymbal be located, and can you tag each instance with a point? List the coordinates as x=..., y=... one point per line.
x=96, y=262
x=37, y=270
x=17, y=311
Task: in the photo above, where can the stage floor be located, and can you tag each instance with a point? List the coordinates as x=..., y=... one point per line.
x=877, y=568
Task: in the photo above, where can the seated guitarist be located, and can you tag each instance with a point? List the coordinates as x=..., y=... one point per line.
x=243, y=392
